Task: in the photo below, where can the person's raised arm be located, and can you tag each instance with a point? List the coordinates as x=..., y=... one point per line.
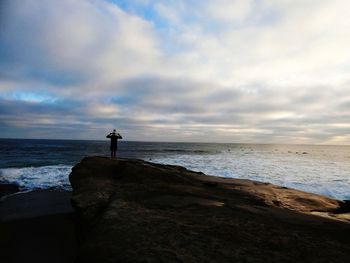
x=119, y=136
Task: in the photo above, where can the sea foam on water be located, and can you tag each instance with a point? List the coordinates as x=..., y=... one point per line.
x=54, y=176
x=318, y=169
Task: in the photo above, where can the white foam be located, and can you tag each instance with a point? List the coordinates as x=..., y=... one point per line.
x=43, y=177
x=323, y=172
x=304, y=172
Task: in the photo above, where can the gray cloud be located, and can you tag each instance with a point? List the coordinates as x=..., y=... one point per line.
x=233, y=72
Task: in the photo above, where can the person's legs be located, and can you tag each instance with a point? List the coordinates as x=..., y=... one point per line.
x=113, y=152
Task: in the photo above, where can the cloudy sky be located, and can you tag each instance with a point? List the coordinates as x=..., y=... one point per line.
x=265, y=71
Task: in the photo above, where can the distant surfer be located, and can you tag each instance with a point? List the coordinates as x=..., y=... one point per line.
x=114, y=142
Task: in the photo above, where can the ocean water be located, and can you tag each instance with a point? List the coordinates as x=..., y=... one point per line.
x=318, y=169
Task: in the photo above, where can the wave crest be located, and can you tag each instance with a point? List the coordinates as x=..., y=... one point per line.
x=44, y=177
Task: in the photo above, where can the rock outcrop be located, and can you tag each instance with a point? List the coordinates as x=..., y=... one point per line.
x=136, y=211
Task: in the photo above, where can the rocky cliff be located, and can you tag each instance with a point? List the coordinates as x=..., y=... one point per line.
x=136, y=211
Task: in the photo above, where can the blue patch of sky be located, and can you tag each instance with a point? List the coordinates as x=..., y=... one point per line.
x=260, y=16
x=143, y=10
x=27, y=96
x=148, y=12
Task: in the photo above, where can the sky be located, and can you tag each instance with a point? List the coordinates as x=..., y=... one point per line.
x=245, y=71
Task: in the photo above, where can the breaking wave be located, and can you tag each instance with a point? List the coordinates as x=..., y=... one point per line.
x=44, y=177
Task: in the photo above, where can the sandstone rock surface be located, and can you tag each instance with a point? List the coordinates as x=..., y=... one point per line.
x=136, y=211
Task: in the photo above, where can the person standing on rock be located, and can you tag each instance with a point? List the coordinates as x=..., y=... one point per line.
x=114, y=142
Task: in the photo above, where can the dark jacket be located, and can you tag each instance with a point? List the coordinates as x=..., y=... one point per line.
x=114, y=139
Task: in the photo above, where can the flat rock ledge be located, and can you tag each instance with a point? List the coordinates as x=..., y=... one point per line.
x=137, y=211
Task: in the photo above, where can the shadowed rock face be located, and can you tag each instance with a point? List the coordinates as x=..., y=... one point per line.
x=136, y=211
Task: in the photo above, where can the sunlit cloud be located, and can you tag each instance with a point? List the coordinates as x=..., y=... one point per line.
x=226, y=71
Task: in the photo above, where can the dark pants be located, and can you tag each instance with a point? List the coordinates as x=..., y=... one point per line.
x=113, y=152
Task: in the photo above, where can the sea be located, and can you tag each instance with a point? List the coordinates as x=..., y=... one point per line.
x=321, y=169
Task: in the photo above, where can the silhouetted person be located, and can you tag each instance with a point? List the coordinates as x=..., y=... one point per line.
x=114, y=142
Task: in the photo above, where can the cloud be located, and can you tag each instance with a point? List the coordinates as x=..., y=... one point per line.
x=245, y=71
x=76, y=40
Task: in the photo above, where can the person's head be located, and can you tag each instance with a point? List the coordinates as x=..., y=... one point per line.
x=114, y=130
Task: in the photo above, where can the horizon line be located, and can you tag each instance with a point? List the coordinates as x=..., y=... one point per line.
x=101, y=140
